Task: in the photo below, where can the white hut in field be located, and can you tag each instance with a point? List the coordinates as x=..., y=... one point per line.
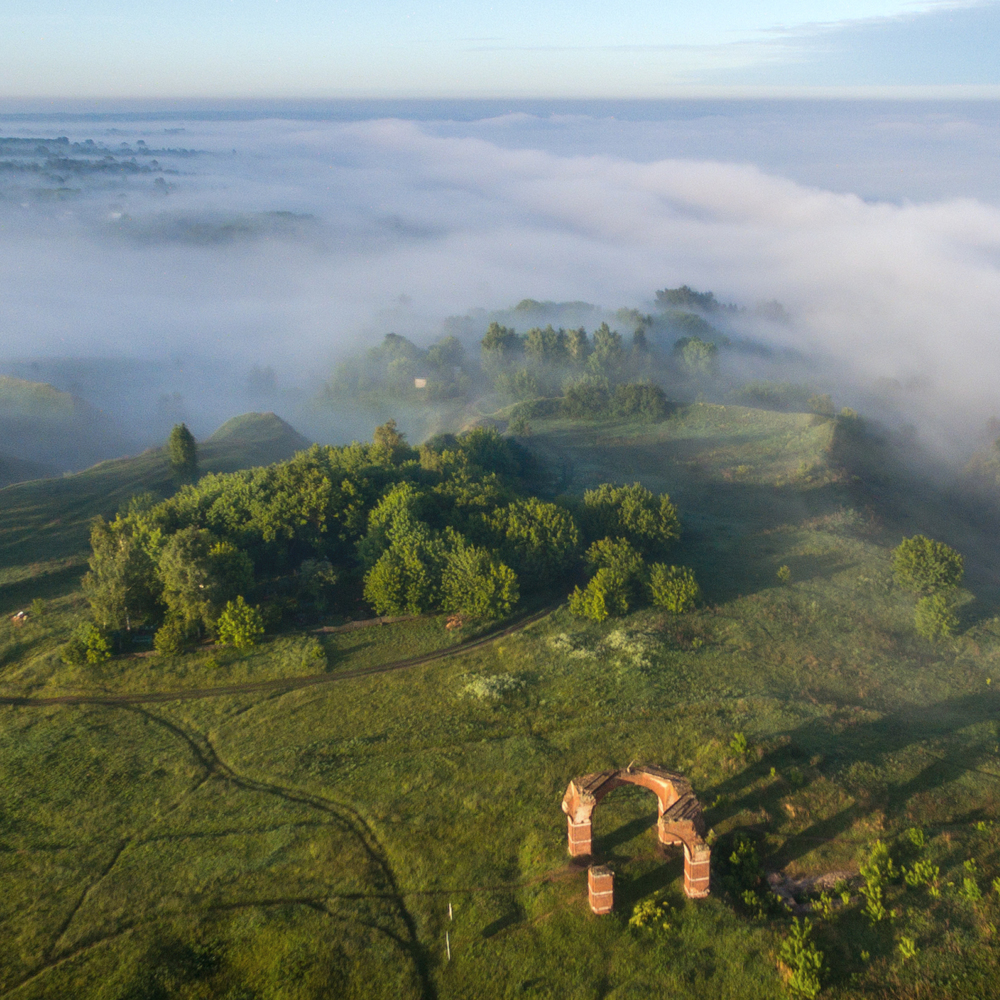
x=420, y=383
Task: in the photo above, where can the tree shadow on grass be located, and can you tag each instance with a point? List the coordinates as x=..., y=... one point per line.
x=628, y=891
x=47, y=585
x=864, y=743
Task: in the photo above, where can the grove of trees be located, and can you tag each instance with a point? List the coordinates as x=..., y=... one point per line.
x=448, y=526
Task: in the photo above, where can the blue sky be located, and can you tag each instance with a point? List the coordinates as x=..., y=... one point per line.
x=477, y=48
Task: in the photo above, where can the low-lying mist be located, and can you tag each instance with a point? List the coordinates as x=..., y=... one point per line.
x=197, y=271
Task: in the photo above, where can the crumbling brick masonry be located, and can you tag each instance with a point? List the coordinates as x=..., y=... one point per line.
x=680, y=819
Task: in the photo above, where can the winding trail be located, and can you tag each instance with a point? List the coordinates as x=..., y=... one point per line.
x=401, y=928
x=281, y=684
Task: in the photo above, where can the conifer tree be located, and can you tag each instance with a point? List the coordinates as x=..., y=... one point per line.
x=183, y=454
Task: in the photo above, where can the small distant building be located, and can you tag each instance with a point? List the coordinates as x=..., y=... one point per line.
x=420, y=383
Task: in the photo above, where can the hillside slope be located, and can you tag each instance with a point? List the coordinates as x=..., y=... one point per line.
x=39, y=423
x=245, y=843
x=19, y=470
x=48, y=519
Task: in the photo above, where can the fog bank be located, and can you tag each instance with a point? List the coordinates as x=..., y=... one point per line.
x=282, y=243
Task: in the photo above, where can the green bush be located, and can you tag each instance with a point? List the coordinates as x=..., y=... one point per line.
x=172, y=636
x=475, y=583
x=743, y=871
x=87, y=645
x=925, y=566
x=607, y=593
x=650, y=915
x=200, y=573
x=698, y=357
x=673, y=587
x=934, y=617
x=640, y=400
x=540, y=538
x=803, y=960
x=407, y=577
x=618, y=577
x=240, y=625
x=317, y=578
x=878, y=869
x=587, y=398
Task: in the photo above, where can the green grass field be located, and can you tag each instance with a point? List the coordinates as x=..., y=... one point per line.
x=309, y=843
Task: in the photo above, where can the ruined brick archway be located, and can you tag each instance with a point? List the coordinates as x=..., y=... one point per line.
x=680, y=820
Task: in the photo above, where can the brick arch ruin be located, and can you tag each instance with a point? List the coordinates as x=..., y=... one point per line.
x=680, y=820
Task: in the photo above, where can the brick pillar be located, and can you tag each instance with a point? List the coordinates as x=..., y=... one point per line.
x=601, y=883
x=579, y=838
x=696, y=870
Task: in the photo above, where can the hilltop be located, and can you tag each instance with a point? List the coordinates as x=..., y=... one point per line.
x=43, y=425
x=49, y=519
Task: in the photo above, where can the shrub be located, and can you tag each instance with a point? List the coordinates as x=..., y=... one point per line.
x=586, y=398
x=88, y=645
x=923, y=873
x=475, y=583
x=619, y=573
x=698, y=357
x=673, y=588
x=200, y=574
x=240, y=625
x=639, y=399
x=784, y=574
x=743, y=871
x=822, y=403
x=183, y=454
x=520, y=383
x=407, y=577
x=925, y=566
x=171, y=637
x=317, y=578
x=607, y=593
x=540, y=538
x=934, y=618
x=803, y=960
x=970, y=890
x=877, y=870
x=616, y=554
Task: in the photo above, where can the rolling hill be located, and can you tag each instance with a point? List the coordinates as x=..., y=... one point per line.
x=398, y=833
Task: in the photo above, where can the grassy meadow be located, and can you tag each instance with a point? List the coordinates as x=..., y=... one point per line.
x=312, y=843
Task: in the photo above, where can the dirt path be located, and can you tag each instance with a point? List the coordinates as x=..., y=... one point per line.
x=280, y=684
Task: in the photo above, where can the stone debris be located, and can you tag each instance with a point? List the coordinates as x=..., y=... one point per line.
x=789, y=890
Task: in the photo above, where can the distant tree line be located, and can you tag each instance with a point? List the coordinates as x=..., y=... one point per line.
x=544, y=362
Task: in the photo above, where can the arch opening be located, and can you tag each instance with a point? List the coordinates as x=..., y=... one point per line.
x=679, y=822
